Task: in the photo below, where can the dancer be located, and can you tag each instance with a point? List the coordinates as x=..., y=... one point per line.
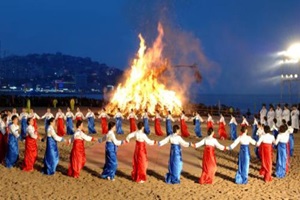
x=77, y=156
x=175, y=160
x=12, y=152
x=241, y=176
x=169, y=119
x=291, y=143
x=69, y=121
x=271, y=116
x=118, y=116
x=60, y=117
x=295, y=118
x=31, y=149
x=263, y=114
x=245, y=121
x=132, y=117
x=46, y=117
x=278, y=115
x=157, y=127
x=254, y=129
x=210, y=121
x=274, y=128
x=233, y=124
x=266, y=141
x=259, y=133
x=286, y=114
x=209, y=162
x=23, y=117
x=145, y=118
x=51, y=157
x=14, y=112
x=35, y=117
x=79, y=115
x=282, y=152
x=140, y=160
x=111, y=147
x=3, y=137
x=90, y=116
x=183, y=126
x=104, y=117
x=222, y=130
x=198, y=120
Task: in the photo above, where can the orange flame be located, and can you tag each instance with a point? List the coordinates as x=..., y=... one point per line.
x=142, y=89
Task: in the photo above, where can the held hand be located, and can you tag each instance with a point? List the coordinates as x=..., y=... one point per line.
x=193, y=145
x=155, y=142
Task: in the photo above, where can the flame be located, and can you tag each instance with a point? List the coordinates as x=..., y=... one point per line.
x=142, y=88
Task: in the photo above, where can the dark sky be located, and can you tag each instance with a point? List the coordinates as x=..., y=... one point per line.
x=238, y=36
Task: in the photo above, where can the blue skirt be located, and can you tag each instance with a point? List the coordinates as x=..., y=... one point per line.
x=254, y=130
x=111, y=161
x=91, y=125
x=146, y=126
x=23, y=127
x=70, y=126
x=46, y=124
x=233, y=134
x=119, y=125
x=275, y=133
x=241, y=176
x=281, y=160
x=169, y=127
x=51, y=157
x=12, y=154
x=175, y=165
x=292, y=144
x=198, y=128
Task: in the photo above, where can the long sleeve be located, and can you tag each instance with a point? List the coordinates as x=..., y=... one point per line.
x=55, y=136
x=147, y=140
x=31, y=132
x=235, y=143
x=164, y=141
x=252, y=141
x=36, y=116
x=183, y=143
x=86, y=137
x=201, y=143
x=15, y=130
x=130, y=135
x=115, y=141
x=43, y=117
x=219, y=146
x=259, y=141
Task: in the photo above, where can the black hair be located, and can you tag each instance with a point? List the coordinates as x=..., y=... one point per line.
x=175, y=128
x=183, y=112
x=111, y=125
x=282, y=128
x=267, y=129
x=28, y=120
x=78, y=123
x=4, y=116
x=275, y=120
x=278, y=105
x=13, y=117
x=131, y=110
x=286, y=105
x=210, y=131
x=289, y=123
x=104, y=109
x=50, y=120
x=264, y=104
x=140, y=125
x=259, y=123
x=283, y=121
x=243, y=129
x=169, y=112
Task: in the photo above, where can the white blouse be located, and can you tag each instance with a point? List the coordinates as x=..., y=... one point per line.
x=245, y=122
x=90, y=114
x=243, y=139
x=282, y=137
x=2, y=127
x=31, y=132
x=110, y=137
x=47, y=116
x=34, y=116
x=198, y=117
x=23, y=115
x=140, y=137
x=79, y=135
x=118, y=114
x=233, y=121
x=14, y=129
x=79, y=114
x=174, y=139
x=51, y=133
x=266, y=138
x=103, y=115
x=70, y=114
x=132, y=115
x=222, y=120
x=210, y=141
x=60, y=115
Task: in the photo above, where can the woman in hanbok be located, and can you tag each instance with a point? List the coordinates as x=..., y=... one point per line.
x=209, y=162
x=169, y=120
x=245, y=121
x=241, y=176
x=12, y=151
x=23, y=117
x=118, y=116
x=282, y=152
x=222, y=129
x=60, y=118
x=145, y=118
x=266, y=151
x=157, y=126
x=77, y=156
x=51, y=157
x=210, y=121
x=104, y=117
x=31, y=149
x=291, y=143
x=69, y=121
x=34, y=117
x=79, y=115
x=3, y=137
x=140, y=160
x=183, y=126
x=111, y=147
x=233, y=125
x=132, y=117
x=274, y=128
x=175, y=160
x=46, y=117
x=198, y=120
x=90, y=116
x=254, y=129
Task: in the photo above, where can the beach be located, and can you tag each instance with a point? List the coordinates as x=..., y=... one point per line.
x=16, y=184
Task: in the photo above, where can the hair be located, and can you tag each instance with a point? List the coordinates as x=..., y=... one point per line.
x=104, y=109
x=267, y=129
x=140, y=125
x=286, y=105
x=3, y=116
x=169, y=112
x=265, y=118
x=278, y=105
x=282, y=129
x=111, y=125
x=175, y=128
x=233, y=115
x=289, y=123
x=50, y=120
x=283, y=121
x=119, y=109
x=14, y=117
x=275, y=120
x=243, y=129
x=183, y=112
x=131, y=110
x=264, y=104
x=244, y=116
x=28, y=120
x=78, y=123
x=259, y=123
x=210, y=131
x=146, y=110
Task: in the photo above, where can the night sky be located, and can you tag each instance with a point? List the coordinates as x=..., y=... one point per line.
x=240, y=37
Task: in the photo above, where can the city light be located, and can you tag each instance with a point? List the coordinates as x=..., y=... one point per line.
x=289, y=76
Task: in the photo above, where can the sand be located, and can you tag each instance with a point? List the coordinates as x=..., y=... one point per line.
x=16, y=184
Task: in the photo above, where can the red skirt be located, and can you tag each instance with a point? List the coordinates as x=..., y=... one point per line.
x=209, y=165
x=31, y=152
x=60, y=127
x=77, y=158
x=35, y=124
x=104, y=125
x=78, y=119
x=222, y=131
x=157, y=127
x=3, y=146
x=266, y=161
x=209, y=125
x=184, y=129
x=139, y=162
x=132, y=125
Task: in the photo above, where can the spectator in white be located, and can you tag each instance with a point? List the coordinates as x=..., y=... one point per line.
x=278, y=114
x=263, y=114
x=295, y=118
x=286, y=113
x=271, y=116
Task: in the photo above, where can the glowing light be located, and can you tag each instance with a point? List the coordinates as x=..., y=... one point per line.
x=296, y=75
x=293, y=52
